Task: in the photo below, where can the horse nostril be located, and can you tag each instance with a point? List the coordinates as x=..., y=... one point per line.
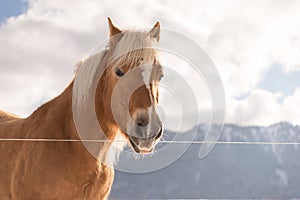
x=142, y=122
x=159, y=133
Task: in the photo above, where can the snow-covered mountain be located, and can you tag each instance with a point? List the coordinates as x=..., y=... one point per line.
x=229, y=171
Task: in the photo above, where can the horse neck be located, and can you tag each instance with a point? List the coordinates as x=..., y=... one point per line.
x=55, y=121
x=55, y=115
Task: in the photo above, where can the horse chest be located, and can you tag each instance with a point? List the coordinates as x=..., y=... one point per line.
x=98, y=187
x=63, y=179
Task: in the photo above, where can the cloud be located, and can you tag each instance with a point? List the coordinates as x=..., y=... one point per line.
x=262, y=107
x=244, y=39
x=248, y=38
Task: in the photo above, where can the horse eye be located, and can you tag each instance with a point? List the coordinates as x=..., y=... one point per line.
x=119, y=73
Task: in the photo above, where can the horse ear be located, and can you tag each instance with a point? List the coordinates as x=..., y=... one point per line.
x=155, y=31
x=113, y=30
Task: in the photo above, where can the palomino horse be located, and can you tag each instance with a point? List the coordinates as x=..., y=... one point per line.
x=33, y=167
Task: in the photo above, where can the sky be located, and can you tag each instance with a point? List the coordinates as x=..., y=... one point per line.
x=254, y=45
x=12, y=8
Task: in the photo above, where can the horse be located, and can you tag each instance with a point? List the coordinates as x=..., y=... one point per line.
x=34, y=167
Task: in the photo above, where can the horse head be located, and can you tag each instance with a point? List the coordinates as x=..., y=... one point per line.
x=128, y=90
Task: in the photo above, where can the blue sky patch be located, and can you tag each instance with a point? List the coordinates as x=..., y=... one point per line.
x=276, y=80
x=9, y=8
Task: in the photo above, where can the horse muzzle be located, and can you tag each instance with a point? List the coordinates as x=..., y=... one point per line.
x=142, y=144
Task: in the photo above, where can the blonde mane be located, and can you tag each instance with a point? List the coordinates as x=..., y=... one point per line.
x=132, y=47
x=85, y=76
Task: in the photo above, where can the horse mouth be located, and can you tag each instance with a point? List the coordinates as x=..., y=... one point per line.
x=136, y=148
